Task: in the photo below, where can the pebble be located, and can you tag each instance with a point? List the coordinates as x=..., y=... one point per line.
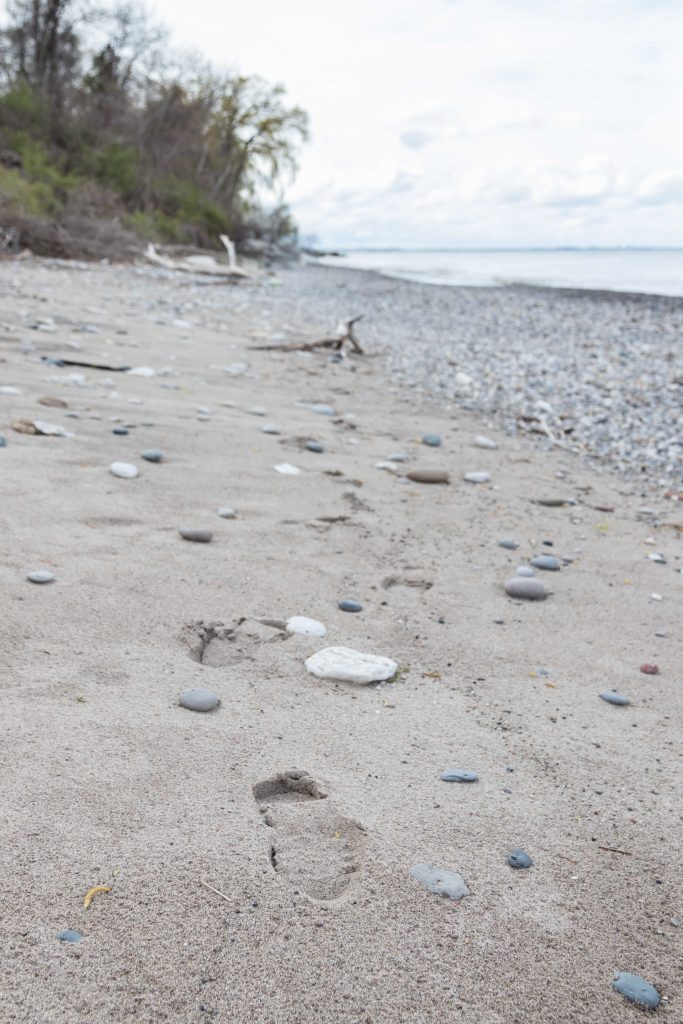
x=287, y=469
x=315, y=446
x=428, y=476
x=484, y=442
x=477, y=478
x=656, y=556
x=510, y=545
x=123, y=469
x=199, y=699
x=256, y=410
x=141, y=371
x=458, y=775
x=650, y=669
x=662, y=633
x=612, y=697
x=432, y=440
x=3, y=441
x=350, y=666
x=69, y=935
x=41, y=576
x=525, y=589
x=198, y=536
x=440, y=881
x=636, y=990
x=270, y=428
x=305, y=627
x=121, y=431
x=525, y=570
x=153, y=455
x=398, y=457
x=322, y=410
x=519, y=859
x=554, y=502
x=350, y=606
x=548, y=562
x=226, y=513
x=656, y=597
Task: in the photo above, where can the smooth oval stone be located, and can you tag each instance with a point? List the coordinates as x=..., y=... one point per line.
x=477, y=478
x=41, y=576
x=440, y=882
x=525, y=589
x=350, y=606
x=305, y=627
x=120, y=430
x=256, y=410
x=198, y=536
x=227, y=513
x=398, y=457
x=199, y=699
x=153, y=455
x=270, y=428
x=433, y=440
x=428, y=476
x=124, y=469
x=484, y=442
x=614, y=698
x=287, y=469
x=548, y=562
x=519, y=859
x=636, y=990
x=511, y=545
x=350, y=666
x=69, y=935
x=315, y=446
x=322, y=410
x=524, y=570
x=458, y=775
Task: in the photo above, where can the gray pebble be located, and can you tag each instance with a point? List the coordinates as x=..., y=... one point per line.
x=519, y=859
x=41, y=576
x=350, y=606
x=636, y=990
x=3, y=441
x=458, y=775
x=199, y=536
x=440, y=882
x=477, y=478
x=548, y=562
x=153, y=455
x=525, y=570
x=270, y=428
x=315, y=446
x=322, y=410
x=612, y=697
x=511, y=545
x=227, y=513
x=69, y=935
x=398, y=457
x=199, y=699
x=525, y=589
x=120, y=430
x=433, y=440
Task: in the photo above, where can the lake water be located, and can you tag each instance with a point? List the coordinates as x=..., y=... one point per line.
x=650, y=271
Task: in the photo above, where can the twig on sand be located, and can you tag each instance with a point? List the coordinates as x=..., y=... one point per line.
x=217, y=891
x=611, y=849
x=346, y=334
x=565, y=857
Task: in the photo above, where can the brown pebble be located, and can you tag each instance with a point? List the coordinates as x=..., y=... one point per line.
x=650, y=670
x=428, y=476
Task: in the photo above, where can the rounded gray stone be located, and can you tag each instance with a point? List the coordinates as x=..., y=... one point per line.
x=350, y=606
x=315, y=446
x=153, y=455
x=525, y=570
x=432, y=440
x=612, y=697
x=511, y=545
x=458, y=775
x=519, y=859
x=121, y=431
x=227, y=513
x=548, y=562
x=198, y=536
x=199, y=699
x=525, y=589
x=636, y=990
x=41, y=576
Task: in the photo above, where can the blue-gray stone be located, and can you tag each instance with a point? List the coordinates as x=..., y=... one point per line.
x=636, y=989
x=199, y=699
x=458, y=775
x=198, y=536
x=41, y=576
x=519, y=859
x=314, y=446
x=350, y=606
x=548, y=562
x=525, y=590
x=3, y=441
x=524, y=570
x=433, y=440
x=321, y=409
x=153, y=455
x=511, y=545
x=120, y=430
x=68, y=935
x=612, y=697
x=440, y=882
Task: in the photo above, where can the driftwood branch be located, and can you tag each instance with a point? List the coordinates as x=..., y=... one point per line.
x=346, y=334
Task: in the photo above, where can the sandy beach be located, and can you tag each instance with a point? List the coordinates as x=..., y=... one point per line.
x=239, y=888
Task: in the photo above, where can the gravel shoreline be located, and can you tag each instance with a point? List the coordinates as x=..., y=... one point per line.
x=597, y=373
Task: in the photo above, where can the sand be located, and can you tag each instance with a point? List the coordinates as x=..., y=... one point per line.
x=107, y=781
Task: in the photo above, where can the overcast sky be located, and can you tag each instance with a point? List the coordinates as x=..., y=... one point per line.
x=470, y=122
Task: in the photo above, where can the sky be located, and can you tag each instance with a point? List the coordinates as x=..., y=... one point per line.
x=472, y=123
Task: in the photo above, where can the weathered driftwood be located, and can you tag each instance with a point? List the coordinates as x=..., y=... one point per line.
x=346, y=334
x=196, y=264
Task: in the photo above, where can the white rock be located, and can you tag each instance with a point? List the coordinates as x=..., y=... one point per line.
x=52, y=429
x=390, y=467
x=485, y=442
x=350, y=666
x=226, y=513
x=477, y=478
x=123, y=469
x=656, y=597
x=287, y=469
x=7, y=389
x=141, y=371
x=270, y=428
x=305, y=627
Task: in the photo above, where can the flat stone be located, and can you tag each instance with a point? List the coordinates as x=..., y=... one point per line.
x=510, y=545
x=484, y=442
x=141, y=371
x=477, y=478
x=198, y=536
x=199, y=699
x=428, y=476
x=519, y=859
x=548, y=562
x=458, y=775
x=552, y=502
x=69, y=935
x=350, y=666
x=440, y=882
x=525, y=570
x=657, y=556
x=432, y=440
x=636, y=990
x=525, y=589
x=257, y=410
x=350, y=606
x=314, y=446
x=305, y=627
x=398, y=457
x=124, y=469
x=287, y=469
x=321, y=409
x=121, y=431
x=41, y=576
x=612, y=697
x=270, y=428
x=153, y=455
x=226, y=513
x=3, y=441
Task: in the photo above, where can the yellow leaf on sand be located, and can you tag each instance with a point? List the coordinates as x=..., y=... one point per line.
x=88, y=898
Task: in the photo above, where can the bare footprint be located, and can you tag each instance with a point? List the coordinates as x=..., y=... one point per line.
x=317, y=850
x=218, y=645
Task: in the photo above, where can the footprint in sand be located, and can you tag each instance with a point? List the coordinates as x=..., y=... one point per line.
x=218, y=645
x=317, y=850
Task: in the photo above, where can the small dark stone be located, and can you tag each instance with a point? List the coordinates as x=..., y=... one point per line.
x=315, y=446
x=612, y=697
x=458, y=775
x=511, y=545
x=547, y=562
x=68, y=935
x=519, y=859
x=152, y=455
x=350, y=606
x=636, y=990
x=120, y=430
x=548, y=543
x=433, y=440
